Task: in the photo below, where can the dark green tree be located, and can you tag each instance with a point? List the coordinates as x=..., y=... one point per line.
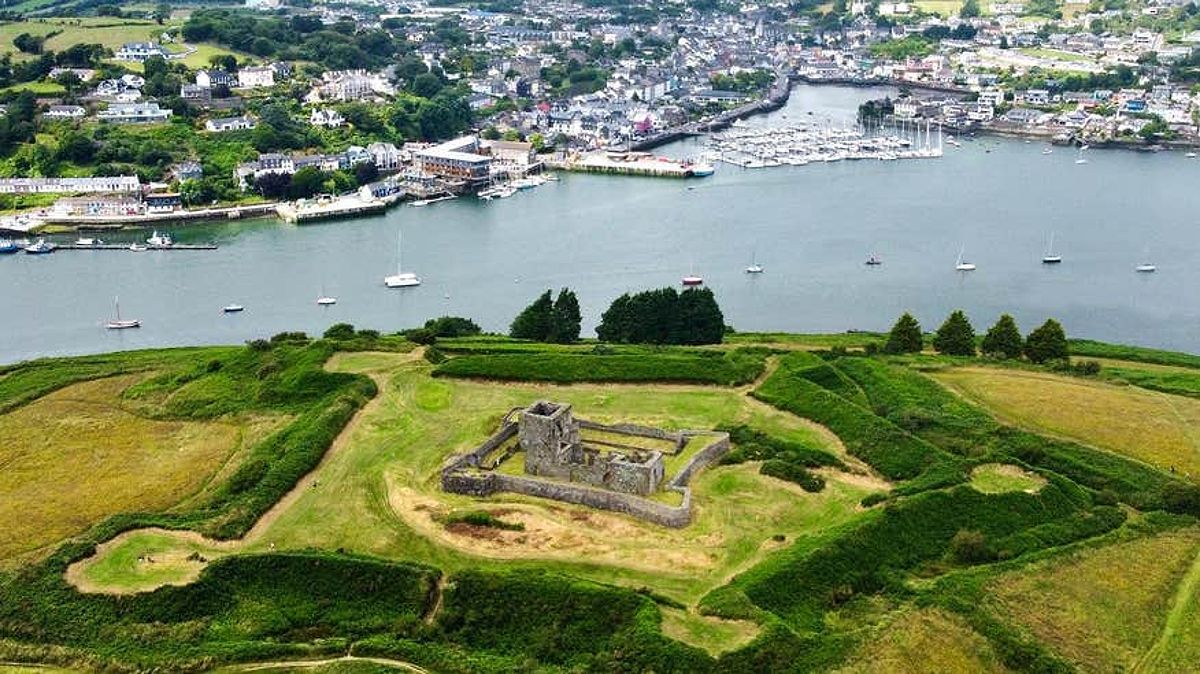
x=1004, y=339
x=452, y=326
x=905, y=336
x=970, y=9
x=566, y=319
x=535, y=320
x=663, y=316
x=340, y=331
x=700, y=318
x=1048, y=342
x=955, y=337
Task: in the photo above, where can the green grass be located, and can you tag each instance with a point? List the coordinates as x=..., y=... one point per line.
x=1084, y=347
x=1055, y=54
x=997, y=478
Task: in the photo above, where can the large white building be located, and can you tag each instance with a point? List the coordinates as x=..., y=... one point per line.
x=110, y=184
x=256, y=76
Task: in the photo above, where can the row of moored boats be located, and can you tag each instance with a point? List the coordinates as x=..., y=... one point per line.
x=43, y=247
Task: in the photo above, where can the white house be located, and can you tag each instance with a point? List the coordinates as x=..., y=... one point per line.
x=230, y=124
x=992, y=97
x=65, y=112
x=213, y=78
x=256, y=76
x=134, y=113
x=327, y=118
x=139, y=51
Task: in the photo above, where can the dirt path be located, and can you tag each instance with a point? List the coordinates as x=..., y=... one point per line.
x=300, y=664
x=439, y=590
x=1188, y=588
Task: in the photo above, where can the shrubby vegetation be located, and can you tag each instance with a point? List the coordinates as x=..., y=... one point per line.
x=728, y=368
x=781, y=459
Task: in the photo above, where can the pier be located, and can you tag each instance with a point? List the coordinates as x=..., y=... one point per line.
x=343, y=207
x=125, y=246
x=106, y=222
x=638, y=164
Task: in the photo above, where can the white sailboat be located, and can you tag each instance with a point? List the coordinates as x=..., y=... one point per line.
x=401, y=279
x=325, y=300
x=960, y=265
x=118, y=323
x=1146, y=267
x=692, y=279
x=1050, y=257
x=755, y=267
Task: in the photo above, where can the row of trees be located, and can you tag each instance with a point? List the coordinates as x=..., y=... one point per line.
x=663, y=316
x=956, y=337
x=549, y=320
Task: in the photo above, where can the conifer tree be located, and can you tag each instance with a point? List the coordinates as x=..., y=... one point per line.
x=1004, y=339
x=1048, y=342
x=535, y=320
x=955, y=337
x=566, y=319
x=905, y=336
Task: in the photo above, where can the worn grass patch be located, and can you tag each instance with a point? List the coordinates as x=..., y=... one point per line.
x=144, y=560
x=715, y=635
x=1101, y=608
x=1157, y=428
x=925, y=640
x=76, y=456
x=997, y=478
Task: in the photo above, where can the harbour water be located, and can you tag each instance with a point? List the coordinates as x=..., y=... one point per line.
x=811, y=227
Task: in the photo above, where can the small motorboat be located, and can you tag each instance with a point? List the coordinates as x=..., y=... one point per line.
x=1190, y=155
x=325, y=300
x=8, y=247
x=754, y=269
x=138, y=248
x=233, y=308
x=40, y=247
x=420, y=202
x=157, y=240
x=873, y=261
x=1146, y=268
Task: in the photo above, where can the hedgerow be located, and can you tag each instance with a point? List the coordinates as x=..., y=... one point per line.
x=890, y=450
x=751, y=444
x=725, y=368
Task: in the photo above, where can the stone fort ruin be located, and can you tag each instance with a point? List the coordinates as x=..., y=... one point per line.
x=613, y=467
x=550, y=437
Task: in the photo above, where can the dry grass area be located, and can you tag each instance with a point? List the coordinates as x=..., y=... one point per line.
x=1101, y=608
x=714, y=635
x=77, y=456
x=925, y=640
x=1160, y=429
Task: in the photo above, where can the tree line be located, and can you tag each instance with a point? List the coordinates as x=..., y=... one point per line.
x=956, y=337
x=662, y=316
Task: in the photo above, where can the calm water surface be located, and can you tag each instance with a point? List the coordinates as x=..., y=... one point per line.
x=810, y=226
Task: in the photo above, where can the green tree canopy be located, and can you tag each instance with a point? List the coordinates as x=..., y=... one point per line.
x=905, y=336
x=1004, y=339
x=1048, y=342
x=955, y=337
x=534, y=321
x=566, y=319
x=664, y=316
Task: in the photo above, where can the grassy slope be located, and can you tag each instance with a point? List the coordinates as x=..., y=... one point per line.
x=1102, y=607
x=1152, y=427
x=925, y=640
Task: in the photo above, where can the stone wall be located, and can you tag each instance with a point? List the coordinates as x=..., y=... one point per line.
x=711, y=452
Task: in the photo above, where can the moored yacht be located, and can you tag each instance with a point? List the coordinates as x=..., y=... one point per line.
x=157, y=240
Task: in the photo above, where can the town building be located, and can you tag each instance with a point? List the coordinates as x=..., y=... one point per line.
x=134, y=113
x=139, y=51
x=163, y=202
x=460, y=159
x=98, y=205
x=215, y=78
x=256, y=76
x=230, y=124
x=65, y=112
x=113, y=184
x=326, y=117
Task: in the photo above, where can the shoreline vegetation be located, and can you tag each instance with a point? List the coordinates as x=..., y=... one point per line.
x=861, y=490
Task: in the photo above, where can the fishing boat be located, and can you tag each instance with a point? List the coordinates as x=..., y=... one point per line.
x=1050, y=257
x=118, y=323
x=1047, y=150
x=960, y=265
x=232, y=308
x=157, y=240
x=8, y=247
x=702, y=169
x=138, y=248
x=873, y=260
x=41, y=247
x=401, y=279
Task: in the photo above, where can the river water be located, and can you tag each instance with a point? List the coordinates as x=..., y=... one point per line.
x=811, y=227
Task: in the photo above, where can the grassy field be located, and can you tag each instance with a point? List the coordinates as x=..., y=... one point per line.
x=1157, y=428
x=64, y=449
x=949, y=7
x=1054, y=54
x=924, y=640
x=996, y=478
x=378, y=494
x=105, y=30
x=1102, y=608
